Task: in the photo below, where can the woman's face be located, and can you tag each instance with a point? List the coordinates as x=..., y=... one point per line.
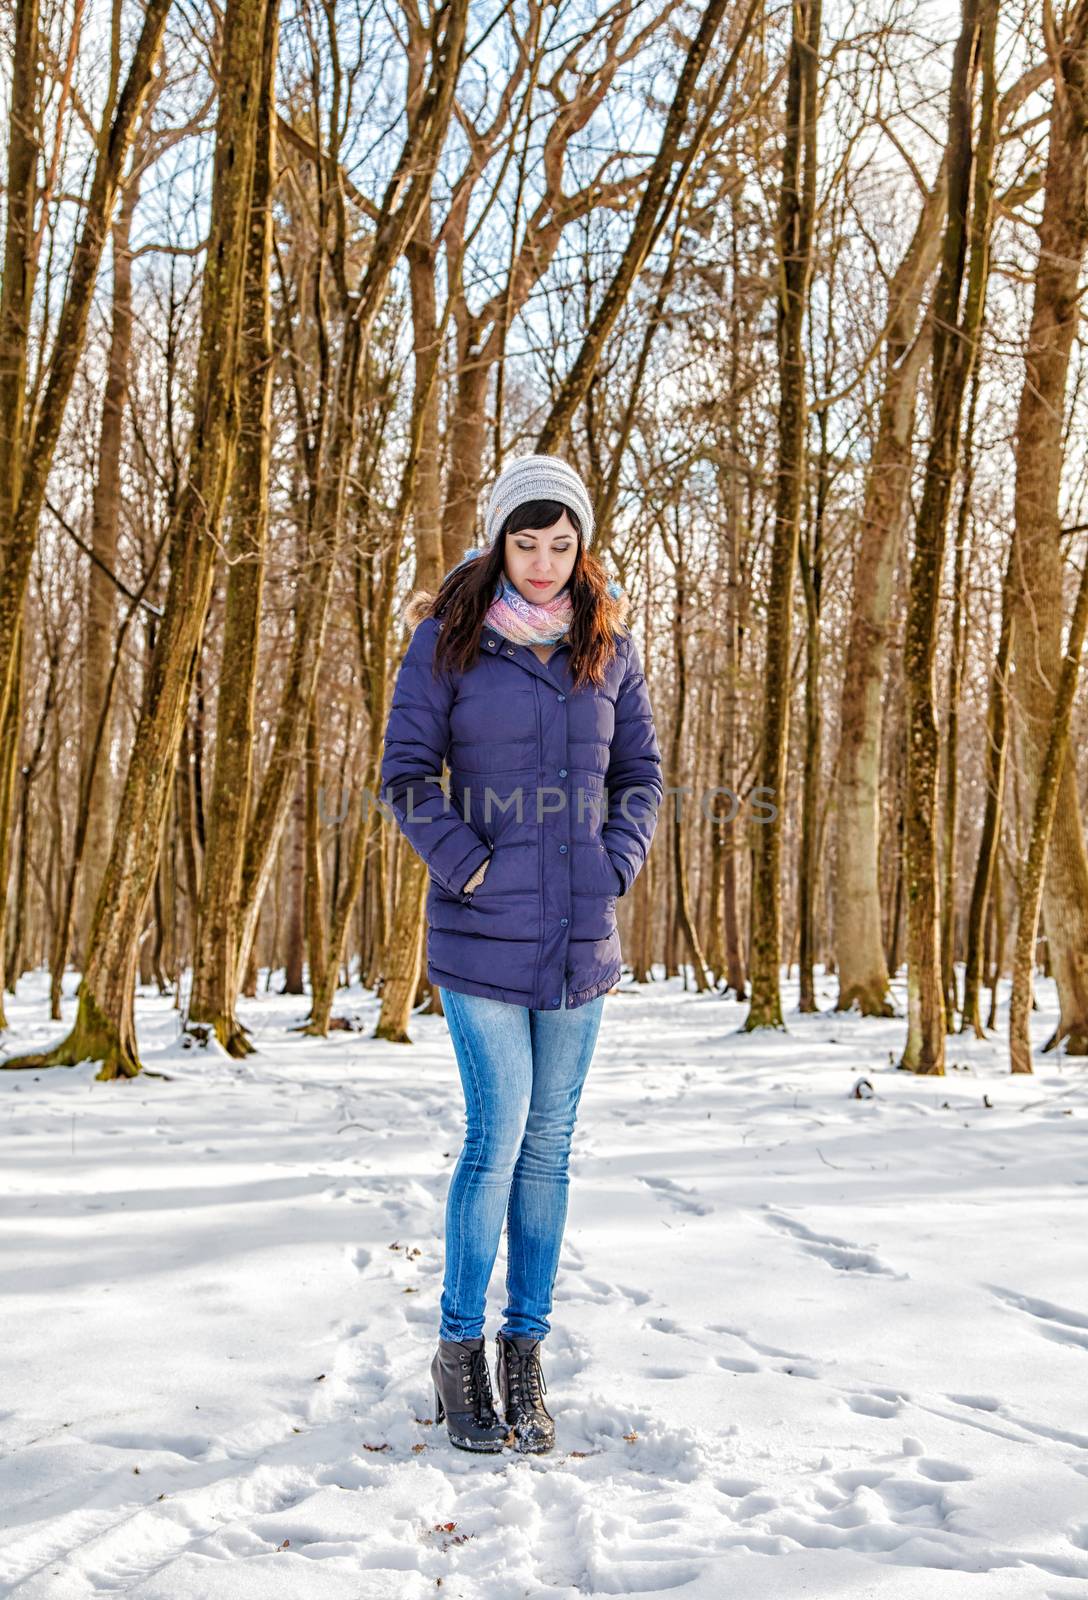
x=538, y=561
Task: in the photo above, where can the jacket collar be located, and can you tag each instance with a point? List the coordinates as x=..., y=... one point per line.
x=493, y=643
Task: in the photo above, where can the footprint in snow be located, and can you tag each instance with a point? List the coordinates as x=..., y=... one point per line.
x=193, y=1446
x=663, y=1325
x=737, y=1364
x=840, y=1254
x=417, y=1315
x=872, y=1405
x=678, y=1196
x=598, y=1292
x=1060, y=1323
x=756, y=1346
x=977, y=1402
x=736, y=1488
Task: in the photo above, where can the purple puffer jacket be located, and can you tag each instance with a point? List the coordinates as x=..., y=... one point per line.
x=534, y=767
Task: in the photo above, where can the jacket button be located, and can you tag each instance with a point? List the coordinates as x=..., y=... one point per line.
x=562, y=849
x=491, y=644
x=561, y=697
x=562, y=772
x=562, y=922
x=510, y=650
x=555, y=1002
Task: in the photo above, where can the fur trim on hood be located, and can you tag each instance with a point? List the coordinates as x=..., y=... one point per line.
x=417, y=607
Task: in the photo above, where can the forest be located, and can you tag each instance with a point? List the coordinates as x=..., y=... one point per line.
x=800, y=294
x=795, y=295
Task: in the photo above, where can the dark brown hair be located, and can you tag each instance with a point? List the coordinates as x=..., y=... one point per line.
x=466, y=593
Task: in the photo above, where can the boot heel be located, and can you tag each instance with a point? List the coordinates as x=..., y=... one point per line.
x=439, y=1408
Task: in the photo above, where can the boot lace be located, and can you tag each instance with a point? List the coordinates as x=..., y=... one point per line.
x=476, y=1382
x=525, y=1377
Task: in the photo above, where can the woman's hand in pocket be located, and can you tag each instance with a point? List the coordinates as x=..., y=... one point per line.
x=477, y=877
x=614, y=871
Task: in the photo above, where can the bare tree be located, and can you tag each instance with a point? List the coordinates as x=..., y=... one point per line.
x=1046, y=800
x=796, y=217
x=215, y=946
x=1038, y=572
x=28, y=441
x=105, y=1027
x=955, y=338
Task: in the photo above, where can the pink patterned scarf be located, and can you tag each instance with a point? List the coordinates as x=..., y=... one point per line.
x=522, y=621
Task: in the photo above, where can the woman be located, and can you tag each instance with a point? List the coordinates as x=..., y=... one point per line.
x=520, y=672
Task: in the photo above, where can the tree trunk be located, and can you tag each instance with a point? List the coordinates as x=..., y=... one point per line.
x=14, y=955
x=797, y=207
x=952, y=726
x=99, y=615
x=105, y=1023
x=403, y=959
x=428, y=123
x=186, y=825
x=999, y=940
x=26, y=455
x=216, y=936
x=684, y=917
x=863, y=971
x=735, y=970
x=1038, y=607
x=421, y=490
x=954, y=347
x=809, y=875
x=997, y=741
x=10, y=736
x=642, y=924
x=715, y=859
x=314, y=868
x=1046, y=800
x=295, y=955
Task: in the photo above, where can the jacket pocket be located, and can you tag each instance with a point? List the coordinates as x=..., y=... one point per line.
x=613, y=883
x=468, y=898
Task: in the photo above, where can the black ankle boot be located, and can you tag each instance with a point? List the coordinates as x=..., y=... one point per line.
x=462, y=1394
x=521, y=1387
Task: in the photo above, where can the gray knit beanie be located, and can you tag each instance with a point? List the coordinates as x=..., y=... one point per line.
x=538, y=478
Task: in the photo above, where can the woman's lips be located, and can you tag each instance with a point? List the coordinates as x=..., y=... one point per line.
x=538, y=584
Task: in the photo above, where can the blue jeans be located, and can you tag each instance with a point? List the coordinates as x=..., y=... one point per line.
x=522, y=1073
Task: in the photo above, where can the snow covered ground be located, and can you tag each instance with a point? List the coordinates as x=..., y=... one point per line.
x=804, y=1344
